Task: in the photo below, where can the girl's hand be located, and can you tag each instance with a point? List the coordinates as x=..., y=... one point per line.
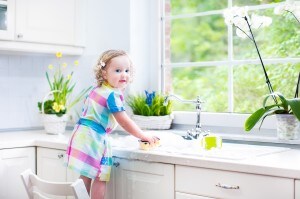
x=153, y=140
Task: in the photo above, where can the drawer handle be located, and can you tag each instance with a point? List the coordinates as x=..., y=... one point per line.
x=60, y=156
x=116, y=164
x=225, y=186
x=20, y=36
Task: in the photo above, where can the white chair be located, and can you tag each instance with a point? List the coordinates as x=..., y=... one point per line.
x=41, y=189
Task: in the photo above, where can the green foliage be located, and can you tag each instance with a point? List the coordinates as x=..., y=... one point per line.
x=48, y=108
x=284, y=106
x=62, y=88
x=140, y=107
x=204, y=38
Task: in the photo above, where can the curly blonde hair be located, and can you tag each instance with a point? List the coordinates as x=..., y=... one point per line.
x=103, y=62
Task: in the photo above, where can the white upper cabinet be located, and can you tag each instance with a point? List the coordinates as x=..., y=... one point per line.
x=43, y=26
x=7, y=18
x=46, y=21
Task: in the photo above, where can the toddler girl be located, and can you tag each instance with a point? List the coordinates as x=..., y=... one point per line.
x=89, y=151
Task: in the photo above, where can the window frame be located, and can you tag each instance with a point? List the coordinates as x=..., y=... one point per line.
x=229, y=119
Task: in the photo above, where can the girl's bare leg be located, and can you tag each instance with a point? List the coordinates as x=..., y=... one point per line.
x=87, y=182
x=98, y=189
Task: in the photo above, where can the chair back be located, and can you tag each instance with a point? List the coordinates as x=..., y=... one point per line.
x=38, y=188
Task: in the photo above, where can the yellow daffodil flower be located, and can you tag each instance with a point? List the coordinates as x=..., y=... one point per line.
x=64, y=65
x=50, y=66
x=62, y=107
x=76, y=62
x=58, y=54
x=56, y=107
x=60, y=79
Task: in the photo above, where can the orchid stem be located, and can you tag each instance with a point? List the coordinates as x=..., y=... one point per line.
x=244, y=32
x=297, y=87
x=293, y=15
x=265, y=72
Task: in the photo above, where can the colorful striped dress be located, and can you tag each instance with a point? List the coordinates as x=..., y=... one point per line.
x=89, y=150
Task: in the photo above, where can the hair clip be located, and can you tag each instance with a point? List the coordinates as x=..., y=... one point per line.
x=102, y=63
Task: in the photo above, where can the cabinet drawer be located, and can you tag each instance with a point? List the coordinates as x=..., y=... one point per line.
x=226, y=184
x=189, y=196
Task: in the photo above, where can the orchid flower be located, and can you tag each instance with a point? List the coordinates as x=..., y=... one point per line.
x=238, y=16
x=290, y=6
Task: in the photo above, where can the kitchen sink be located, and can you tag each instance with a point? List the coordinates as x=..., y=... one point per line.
x=174, y=144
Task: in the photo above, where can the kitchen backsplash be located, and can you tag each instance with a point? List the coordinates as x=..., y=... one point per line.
x=23, y=83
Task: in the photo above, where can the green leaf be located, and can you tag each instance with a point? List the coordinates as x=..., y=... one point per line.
x=138, y=105
x=49, y=82
x=254, y=118
x=295, y=106
x=78, y=98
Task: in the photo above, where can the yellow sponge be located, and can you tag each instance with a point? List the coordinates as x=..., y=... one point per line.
x=211, y=141
x=145, y=145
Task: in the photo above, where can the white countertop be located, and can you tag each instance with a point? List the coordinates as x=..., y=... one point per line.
x=284, y=163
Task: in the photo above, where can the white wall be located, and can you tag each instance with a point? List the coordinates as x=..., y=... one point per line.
x=119, y=24
x=144, y=44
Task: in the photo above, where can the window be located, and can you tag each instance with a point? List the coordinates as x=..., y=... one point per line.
x=203, y=56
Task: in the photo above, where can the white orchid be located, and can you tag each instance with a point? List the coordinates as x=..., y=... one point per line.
x=231, y=14
x=238, y=16
x=290, y=6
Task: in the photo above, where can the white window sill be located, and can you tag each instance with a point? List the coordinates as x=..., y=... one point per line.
x=230, y=127
x=220, y=119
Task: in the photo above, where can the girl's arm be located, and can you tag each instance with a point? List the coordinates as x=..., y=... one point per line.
x=127, y=124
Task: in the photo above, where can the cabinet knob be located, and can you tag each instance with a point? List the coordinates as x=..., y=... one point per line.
x=116, y=164
x=60, y=156
x=20, y=36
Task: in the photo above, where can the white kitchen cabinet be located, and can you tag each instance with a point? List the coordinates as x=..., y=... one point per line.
x=12, y=163
x=138, y=179
x=45, y=26
x=50, y=165
x=110, y=186
x=7, y=18
x=297, y=189
x=226, y=184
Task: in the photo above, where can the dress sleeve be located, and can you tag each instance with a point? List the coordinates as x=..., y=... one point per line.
x=115, y=102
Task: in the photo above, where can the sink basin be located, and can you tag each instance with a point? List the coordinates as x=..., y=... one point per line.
x=175, y=145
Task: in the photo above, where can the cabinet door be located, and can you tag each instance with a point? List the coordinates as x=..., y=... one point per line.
x=12, y=163
x=46, y=21
x=297, y=189
x=147, y=180
x=234, y=185
x=7, y=19
x=110, y=186
x=50, y=166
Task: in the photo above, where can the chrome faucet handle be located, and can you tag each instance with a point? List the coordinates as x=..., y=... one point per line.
x=194, y=134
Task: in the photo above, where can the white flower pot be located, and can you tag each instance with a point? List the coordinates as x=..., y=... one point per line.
x=54, y=124
x=153, y=122
x=288, y=127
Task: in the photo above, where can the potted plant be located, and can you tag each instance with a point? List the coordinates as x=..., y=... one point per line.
x=55, y=111
x=287, y=113
x=149, y=111
x=286, y=110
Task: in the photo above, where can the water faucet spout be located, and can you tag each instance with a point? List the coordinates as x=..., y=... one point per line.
x=193, y=133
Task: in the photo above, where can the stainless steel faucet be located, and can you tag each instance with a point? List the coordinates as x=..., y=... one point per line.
x=193, y=133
